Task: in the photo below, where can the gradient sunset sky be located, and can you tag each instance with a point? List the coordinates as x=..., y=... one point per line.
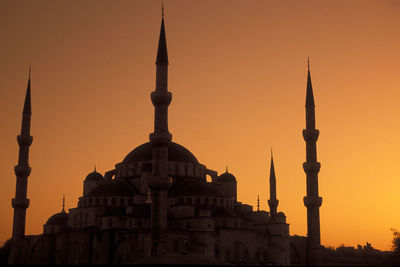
x=238, y=77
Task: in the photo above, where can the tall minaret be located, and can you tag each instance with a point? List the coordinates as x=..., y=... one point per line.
x=272, y=202
x=160, y=140
x=20, y=203
x=311, y=167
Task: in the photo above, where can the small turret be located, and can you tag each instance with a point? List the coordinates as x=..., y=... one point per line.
x=91, y=181
x=228, y=184
x=57, y=222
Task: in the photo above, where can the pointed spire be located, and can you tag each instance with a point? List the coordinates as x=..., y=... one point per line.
x=162, y=54
x=272, y=169
x=27, y=104
x=258, y=202
x=309, y=95
x=95, y=168
x=63, y=204
x=226, y=168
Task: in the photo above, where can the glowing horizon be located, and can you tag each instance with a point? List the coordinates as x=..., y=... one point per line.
x=238, y=77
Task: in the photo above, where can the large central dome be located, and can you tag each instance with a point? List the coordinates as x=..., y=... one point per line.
x=176, y=152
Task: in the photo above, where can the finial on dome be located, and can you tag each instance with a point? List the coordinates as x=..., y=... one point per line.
x=226, y=168
x=308, y=63
x=63, y=204
x=258, y=202
x=94, y=167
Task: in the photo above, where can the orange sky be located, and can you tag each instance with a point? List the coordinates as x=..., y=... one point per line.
x=238, y=77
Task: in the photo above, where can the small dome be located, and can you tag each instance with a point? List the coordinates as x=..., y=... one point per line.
x=176, y=152
x=280, y=214
x=113, y=187
x=94, y=176
x=226, y=177
x=60, y=218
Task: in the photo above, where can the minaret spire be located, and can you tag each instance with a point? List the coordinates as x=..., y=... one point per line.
x=160, y=140
x=272, y=202
x=311, y=167
x=309, y=95
x=20, y=203
x=258, y=202
x=63, y=204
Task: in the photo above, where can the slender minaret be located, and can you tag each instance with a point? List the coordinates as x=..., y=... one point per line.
x=160, y=140
x=311, y=167
x=20, y=203
x=272, y=202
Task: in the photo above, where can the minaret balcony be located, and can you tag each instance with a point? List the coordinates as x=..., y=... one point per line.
x=24, y=140
x=160, y=138
x=312, y=202
x=22, y=170
x=161, y=98
x=273, y=203
x=310, y=135
x=20, y=204
x=311, y=167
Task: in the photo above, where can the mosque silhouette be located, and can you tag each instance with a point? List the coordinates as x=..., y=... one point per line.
x=157, y=205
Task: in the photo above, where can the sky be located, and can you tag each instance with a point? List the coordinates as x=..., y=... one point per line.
x=237, y=74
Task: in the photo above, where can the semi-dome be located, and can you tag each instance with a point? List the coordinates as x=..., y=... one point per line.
x=94, y=176
x=113, y=187
x=176, y=152
x=226, y=177
x=194, y=187
x=60, y=218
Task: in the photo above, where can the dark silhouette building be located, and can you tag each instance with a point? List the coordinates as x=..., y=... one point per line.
x=155, y=206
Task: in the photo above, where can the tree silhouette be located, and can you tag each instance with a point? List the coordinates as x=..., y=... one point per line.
x=396, y=241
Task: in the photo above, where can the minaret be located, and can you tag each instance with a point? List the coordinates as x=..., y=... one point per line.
x=311, y=167
x=20, y=203
x=160, y=140
x=272, y=202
